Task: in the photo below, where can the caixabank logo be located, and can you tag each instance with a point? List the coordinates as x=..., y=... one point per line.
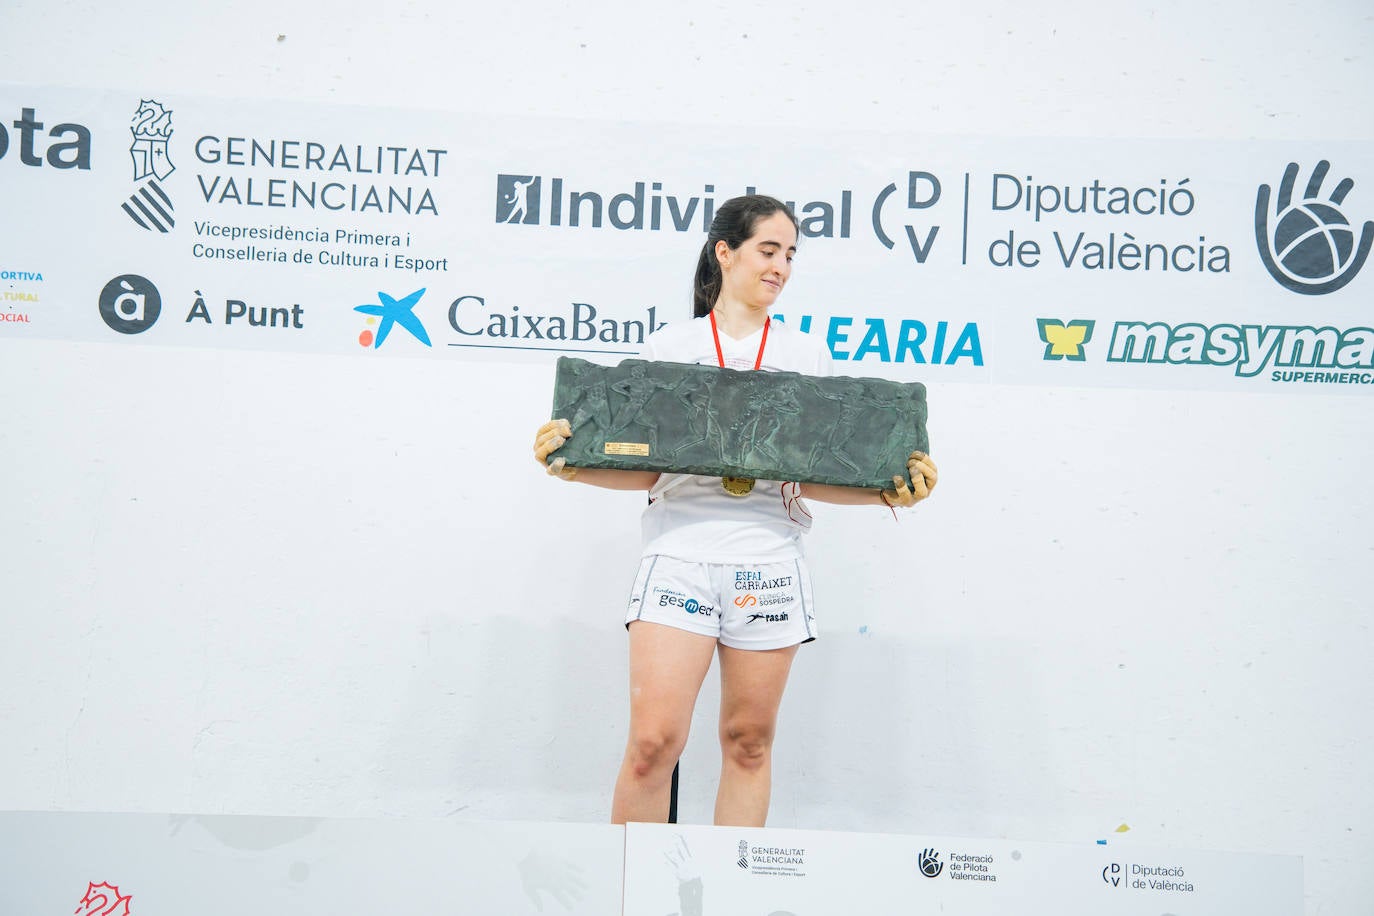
x=1307, y=242
x=388, y=312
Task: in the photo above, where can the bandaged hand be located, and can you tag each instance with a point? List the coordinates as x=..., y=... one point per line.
x=924, y=476
x=548, y=440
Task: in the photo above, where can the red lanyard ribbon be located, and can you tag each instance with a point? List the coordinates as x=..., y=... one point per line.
x=720, y=355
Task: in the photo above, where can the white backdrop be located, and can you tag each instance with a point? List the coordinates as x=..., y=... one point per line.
x=243, y=582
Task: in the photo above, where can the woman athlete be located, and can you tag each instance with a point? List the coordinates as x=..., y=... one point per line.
x=722, y=570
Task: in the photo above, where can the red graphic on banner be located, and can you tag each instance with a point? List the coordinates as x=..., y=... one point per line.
x=103, y=899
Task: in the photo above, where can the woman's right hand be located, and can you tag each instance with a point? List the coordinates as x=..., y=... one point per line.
x=549, y=439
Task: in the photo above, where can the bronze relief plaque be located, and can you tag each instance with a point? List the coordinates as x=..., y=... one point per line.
x=693, y=419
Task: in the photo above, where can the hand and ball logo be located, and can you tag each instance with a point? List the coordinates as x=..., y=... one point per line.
x=930, y=863
x=130, y=304
x=1309, y=245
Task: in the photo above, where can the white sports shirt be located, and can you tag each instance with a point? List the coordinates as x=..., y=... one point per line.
x=692, y=517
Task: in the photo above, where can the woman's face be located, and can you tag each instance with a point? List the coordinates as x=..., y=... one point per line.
x=756, y=271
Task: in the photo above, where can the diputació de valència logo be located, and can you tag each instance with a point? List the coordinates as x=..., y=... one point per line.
x=149, y=206
x=1308, y=244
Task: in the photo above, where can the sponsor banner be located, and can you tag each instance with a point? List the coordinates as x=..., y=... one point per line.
x=164, y=219
x=691, y=871
x=168, y=865
x=173, y=865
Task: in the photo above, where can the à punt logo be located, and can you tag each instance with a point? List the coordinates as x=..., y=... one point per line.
x=103, y=899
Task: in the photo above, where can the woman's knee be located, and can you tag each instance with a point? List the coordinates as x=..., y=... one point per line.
x=746, y=743
x=653, y=751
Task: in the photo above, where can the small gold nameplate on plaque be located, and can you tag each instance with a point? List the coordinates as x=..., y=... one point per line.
x=638, y=449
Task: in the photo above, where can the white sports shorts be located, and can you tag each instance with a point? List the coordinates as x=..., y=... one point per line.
x=744, y=606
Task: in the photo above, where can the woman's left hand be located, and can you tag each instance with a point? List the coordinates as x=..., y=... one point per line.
x=924, y=476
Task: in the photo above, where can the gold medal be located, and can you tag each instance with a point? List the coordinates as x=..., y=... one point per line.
x=737, y=486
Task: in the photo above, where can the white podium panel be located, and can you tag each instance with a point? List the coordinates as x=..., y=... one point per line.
x=177, y=865
x=721, y=871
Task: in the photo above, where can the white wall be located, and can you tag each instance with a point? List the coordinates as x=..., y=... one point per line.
x=250, y=583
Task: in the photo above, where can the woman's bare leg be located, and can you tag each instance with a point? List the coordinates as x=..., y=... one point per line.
x=667, y=666
x=751, y=686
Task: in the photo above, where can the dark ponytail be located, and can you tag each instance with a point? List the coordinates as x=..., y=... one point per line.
x=734, y=223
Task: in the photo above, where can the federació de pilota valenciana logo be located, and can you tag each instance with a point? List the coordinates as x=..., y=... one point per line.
x=1306, y=241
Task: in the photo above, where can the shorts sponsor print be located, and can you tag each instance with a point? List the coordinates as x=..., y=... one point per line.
x=746, y=606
